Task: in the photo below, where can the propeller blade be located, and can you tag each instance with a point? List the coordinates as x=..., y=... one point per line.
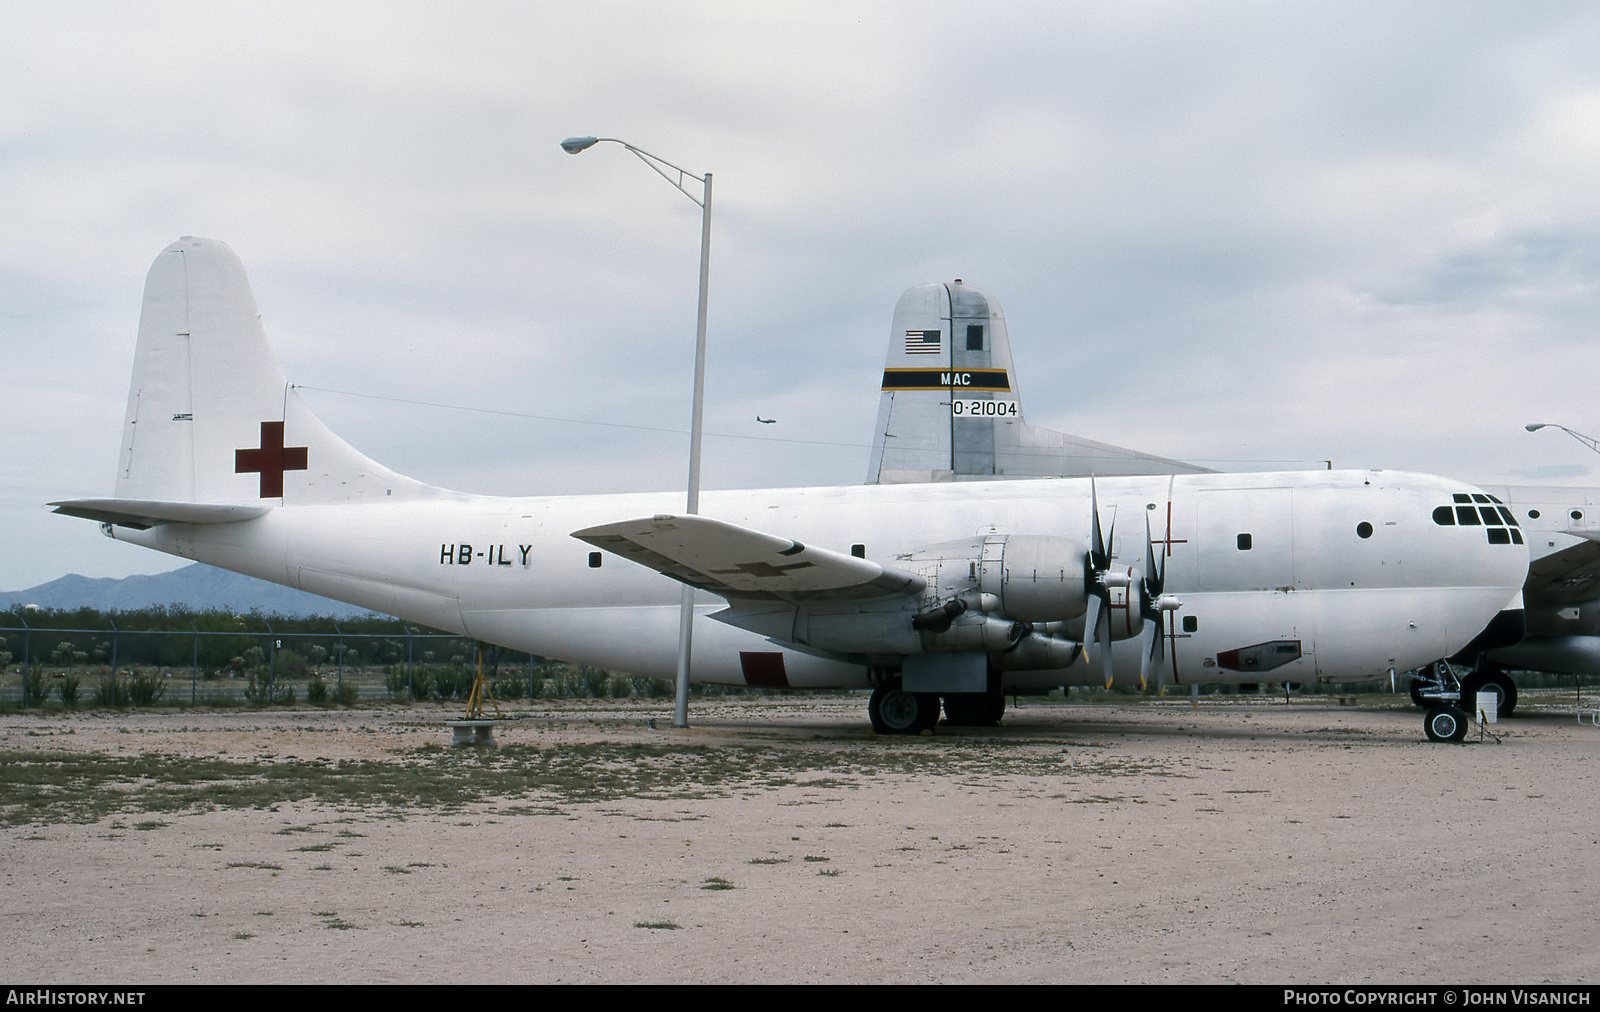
x=1098, y=557
x=1146, y=648
x=1103, y=637
x=1152, y=576
x=1091, y=622
x=1157, y=654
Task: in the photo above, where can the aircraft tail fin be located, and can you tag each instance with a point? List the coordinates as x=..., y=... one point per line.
x=210, y=416
x=951, y=409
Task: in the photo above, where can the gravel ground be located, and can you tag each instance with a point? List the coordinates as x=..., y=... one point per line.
x=780, y=841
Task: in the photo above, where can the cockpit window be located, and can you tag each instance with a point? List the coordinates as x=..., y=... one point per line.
x=1500, y=526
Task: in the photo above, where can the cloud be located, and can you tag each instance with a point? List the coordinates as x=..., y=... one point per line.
x=1241, y=233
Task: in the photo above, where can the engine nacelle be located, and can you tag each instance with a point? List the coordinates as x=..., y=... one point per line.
x=1038, y=652
x=984, y=595
x=1035, y=577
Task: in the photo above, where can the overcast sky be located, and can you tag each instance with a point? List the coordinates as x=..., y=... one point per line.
x=1254, y=235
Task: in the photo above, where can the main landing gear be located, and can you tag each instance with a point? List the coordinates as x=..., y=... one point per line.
x=1489, y=678
x=976, y=709
x=893, y=710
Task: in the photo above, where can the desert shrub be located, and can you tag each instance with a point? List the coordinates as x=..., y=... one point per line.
x=289, y=666
x=349, y=692
x=453, y=683
x=36, y=687
x=258, y=690
x=69, y=690
x=110, y=692
x=510, y=688
x=395, y=681
x=316, y=690
x=146, y=689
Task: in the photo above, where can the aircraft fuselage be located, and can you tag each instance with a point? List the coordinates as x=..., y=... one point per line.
x=1313, y=576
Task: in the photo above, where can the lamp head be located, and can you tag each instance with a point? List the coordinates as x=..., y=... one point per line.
x=573, y=145
x=1535, y=426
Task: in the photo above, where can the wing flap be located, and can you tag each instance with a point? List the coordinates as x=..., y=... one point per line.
x=737, y=563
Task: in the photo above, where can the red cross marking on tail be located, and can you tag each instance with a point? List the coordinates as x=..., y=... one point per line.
x=271, y=459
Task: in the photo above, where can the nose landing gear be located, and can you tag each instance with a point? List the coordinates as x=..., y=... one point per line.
x=1437, y=689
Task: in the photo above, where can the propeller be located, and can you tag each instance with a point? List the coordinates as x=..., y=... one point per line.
x=1098, y=580
x=1154, y=604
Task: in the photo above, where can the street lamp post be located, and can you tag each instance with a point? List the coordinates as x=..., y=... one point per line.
x=572, y=146
x=1588, y=441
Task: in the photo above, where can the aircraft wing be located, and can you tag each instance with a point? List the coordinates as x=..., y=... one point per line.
x=143, y=514
x=1567, y=577
x=736, y=563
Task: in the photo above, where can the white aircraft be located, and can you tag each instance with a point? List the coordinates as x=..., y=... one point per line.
x=924, y=592
x=951, y=410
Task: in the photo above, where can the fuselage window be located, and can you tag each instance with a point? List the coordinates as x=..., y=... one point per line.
x=1511, y=521
x=1467, y=515
x=1190, y=623
x=1499, y=536
x=1461, y=497
x=1363, y=530
x=859, y=551
x=1577, y=514
x=1477, y=497
x=1444, y=516
x=1244, y=542
x=594, y=560
x=1489, y=515
x=974, y=337
x=1533, y=514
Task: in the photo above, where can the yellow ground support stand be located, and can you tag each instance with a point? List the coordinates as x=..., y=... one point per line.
x=474, y=728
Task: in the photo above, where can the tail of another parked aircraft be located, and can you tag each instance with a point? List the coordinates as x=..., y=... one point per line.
x=951, y=410
x=210, y=416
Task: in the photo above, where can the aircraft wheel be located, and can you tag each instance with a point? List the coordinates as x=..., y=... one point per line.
x=997, y=707
x=893, y=710
x=1493, y=679
x=968, y=709
x=1445, y=723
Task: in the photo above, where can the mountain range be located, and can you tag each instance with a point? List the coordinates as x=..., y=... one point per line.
x=198, y=586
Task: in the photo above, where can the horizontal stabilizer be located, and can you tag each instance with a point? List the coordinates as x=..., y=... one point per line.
x=737, y=563
x=143, y=514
